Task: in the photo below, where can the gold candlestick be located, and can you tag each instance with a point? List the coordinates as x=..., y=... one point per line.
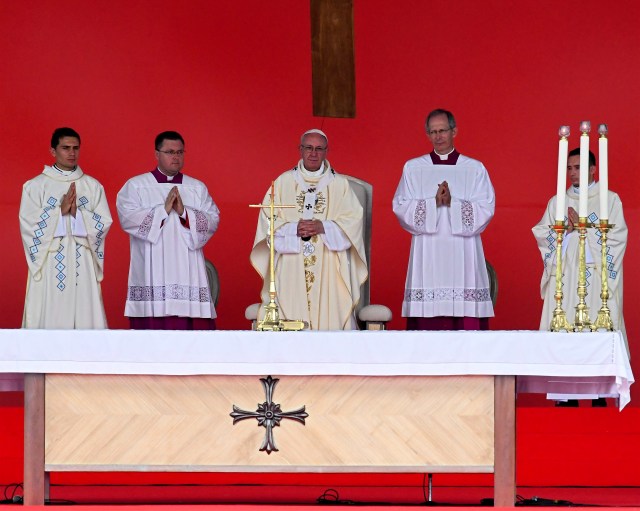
x=603, y=321
x=582, y=320
x=559, y=321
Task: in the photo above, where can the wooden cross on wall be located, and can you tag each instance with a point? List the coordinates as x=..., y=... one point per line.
x=332, y=58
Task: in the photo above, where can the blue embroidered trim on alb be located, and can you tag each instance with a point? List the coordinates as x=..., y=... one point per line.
x=38, y=233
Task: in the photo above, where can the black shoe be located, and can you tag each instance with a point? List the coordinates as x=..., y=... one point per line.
x=572, y=403
x=599, y=403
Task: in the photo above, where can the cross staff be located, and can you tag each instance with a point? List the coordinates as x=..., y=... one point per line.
x=271, y=319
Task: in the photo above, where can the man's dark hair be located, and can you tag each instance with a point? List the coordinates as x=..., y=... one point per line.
x=592, y=157
x=168, y=135
x=60, y=133
x=437, y=112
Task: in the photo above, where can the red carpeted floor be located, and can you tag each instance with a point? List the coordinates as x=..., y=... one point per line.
x=583, y=456
x=330, y=496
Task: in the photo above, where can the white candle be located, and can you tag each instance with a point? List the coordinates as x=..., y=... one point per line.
x=563, y=150
x=583, y=198
x=603, y=153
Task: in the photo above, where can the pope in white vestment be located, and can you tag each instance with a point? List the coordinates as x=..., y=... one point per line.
x=318, y=278
x=616, y=246
x=447, y=273
x=65, y=254
x=167, y=273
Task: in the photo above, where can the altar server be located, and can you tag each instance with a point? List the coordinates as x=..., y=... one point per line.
x=169, y=217
x=64, y=220
x=616, y=246
x=445, y=200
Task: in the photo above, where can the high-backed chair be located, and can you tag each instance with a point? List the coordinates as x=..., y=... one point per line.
x=214, y=281
x=493, y=282
x=370, y=317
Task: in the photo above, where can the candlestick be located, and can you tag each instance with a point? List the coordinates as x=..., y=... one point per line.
x=563, y=150
x=582, y=321
x=603, y=320
x=603, y=153
x=585, y=128
x=559, y=321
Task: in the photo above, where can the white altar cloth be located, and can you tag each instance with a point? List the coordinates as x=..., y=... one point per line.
x=588, y=363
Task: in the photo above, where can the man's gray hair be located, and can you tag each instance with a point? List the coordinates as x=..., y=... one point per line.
x=436, y=113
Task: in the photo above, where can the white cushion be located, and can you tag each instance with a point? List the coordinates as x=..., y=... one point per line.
x=251, y=312
x=380, y=313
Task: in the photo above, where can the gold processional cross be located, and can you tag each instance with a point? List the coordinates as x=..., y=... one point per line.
x=272, y=321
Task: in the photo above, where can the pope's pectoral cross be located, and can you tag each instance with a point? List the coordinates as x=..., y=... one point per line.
x=272, y=321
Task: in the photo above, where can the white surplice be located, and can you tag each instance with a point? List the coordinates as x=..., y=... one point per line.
x=65, y=255
x=447, y=273
x=616, y=246
x=167, y=272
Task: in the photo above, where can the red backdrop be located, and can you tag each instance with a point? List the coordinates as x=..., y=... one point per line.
x=235, y=79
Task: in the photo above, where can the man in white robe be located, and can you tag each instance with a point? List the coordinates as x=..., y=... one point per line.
x=64, y=220
x=445, y=200
x=169, y=218
x=616, y=246
x=320, y=260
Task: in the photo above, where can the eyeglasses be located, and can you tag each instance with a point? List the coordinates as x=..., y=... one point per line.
x=173, y=153
x=310, y=149
x=433, y=133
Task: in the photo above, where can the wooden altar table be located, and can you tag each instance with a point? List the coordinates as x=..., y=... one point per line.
x=386, y=401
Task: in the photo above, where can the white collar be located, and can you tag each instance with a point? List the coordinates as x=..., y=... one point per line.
x=576, y=189
x=311, y=173
x=169, y=178
x=317, y=180
x=444, y=156
x=63, y=172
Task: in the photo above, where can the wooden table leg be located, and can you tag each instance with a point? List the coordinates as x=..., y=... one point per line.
x=505, y=442
x=34, y=476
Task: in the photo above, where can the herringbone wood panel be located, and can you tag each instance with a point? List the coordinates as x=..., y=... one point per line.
x=116, y=422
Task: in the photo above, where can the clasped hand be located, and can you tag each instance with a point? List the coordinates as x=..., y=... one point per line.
x=443, y=195
x=174, y=201
x=69, y=204
x=573, y=219
x=308, y=228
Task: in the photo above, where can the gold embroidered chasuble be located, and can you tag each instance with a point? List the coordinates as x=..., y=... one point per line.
x=317, y=285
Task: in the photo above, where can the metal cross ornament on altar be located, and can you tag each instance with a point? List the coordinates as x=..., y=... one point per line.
x=269, y=414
